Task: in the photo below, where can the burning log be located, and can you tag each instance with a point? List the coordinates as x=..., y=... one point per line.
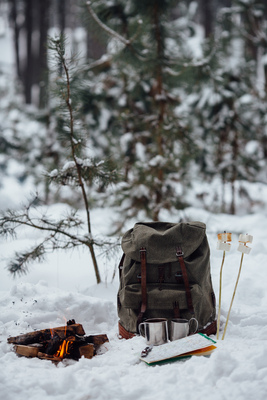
x=58, y=343
x=53, y=345
x=45, y=334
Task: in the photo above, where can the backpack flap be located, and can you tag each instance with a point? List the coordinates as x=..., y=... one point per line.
x=161, y=240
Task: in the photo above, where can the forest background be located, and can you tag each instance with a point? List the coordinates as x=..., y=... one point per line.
x=140, y=106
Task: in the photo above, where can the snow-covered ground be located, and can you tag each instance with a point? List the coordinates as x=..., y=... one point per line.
x=63, y=287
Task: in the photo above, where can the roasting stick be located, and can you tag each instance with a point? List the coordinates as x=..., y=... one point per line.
x=220, y=298
x=222, y=244
x=233, y=296
x=244, y=249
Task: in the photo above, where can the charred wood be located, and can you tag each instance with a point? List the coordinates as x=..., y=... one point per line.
x=44, y=335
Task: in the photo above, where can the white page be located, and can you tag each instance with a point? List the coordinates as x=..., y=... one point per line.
x=178, y=347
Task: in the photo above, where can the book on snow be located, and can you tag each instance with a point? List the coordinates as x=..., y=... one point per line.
x=193, y=345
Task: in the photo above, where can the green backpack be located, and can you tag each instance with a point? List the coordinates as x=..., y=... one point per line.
x=165, y=273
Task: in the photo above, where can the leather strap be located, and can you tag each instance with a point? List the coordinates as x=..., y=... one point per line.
x=121, y=264
x=210, y=329
x=176, y=309
x=124, y=334
x=143, y=286
x=180, y=254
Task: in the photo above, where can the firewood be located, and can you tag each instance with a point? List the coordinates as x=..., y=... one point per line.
x=58, y=343
x=97, y=339
x=46, y=334
x=87, y=351
x=27, y=351
x=53, y=345
x=45, y=356
x=71, y=322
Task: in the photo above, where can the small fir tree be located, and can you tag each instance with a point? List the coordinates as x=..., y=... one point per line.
x=79, y=172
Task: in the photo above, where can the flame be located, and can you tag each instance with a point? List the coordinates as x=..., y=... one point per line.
x=65, y=319
x=63, y=349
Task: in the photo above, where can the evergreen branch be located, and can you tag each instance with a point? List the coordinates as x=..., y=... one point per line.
x=9, y=223
x=90, y=171
x=19, y=265
x=260, y=35
x=194, y=64
x=58, y=237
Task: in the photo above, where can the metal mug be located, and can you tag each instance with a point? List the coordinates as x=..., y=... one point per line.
x=181, y=327
x=155, y=331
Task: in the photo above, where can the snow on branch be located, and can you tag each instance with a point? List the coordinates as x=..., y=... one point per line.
x=90, y=171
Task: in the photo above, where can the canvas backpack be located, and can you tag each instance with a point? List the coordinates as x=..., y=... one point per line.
x=165, y=273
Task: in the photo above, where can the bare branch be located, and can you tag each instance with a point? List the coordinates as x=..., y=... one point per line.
x=110, y=31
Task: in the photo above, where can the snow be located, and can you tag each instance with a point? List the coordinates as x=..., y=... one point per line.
x=53, y=173
x=158, y=160
x=68, y=165
x=63, y=287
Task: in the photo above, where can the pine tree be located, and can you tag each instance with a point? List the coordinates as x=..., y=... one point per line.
x=148, y=55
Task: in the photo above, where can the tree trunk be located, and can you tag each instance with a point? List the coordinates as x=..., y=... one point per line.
x=226, y=3
x=161, y=104
x=61, y=11
x=96, y=269
x=206, y=16
x=43, y=68
x=234, y=172
x=16, y=35
x=28, y=75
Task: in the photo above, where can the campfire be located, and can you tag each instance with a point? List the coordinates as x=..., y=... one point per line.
x=55, y=344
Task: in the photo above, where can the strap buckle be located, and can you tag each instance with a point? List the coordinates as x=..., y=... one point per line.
x=179, y=252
